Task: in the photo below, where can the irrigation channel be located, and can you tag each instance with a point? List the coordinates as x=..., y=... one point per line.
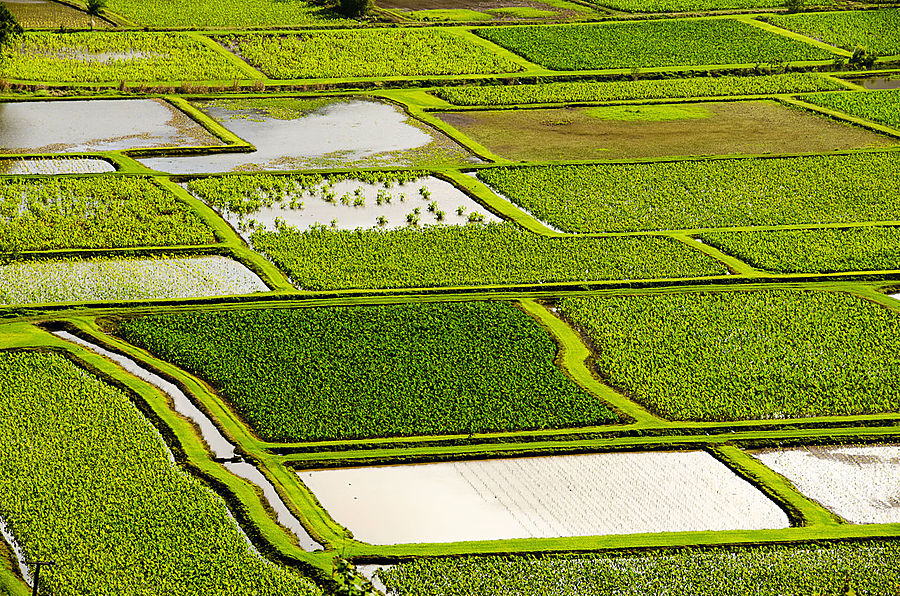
x=222, y=449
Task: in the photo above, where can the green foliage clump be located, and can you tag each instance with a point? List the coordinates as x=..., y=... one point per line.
x=372, y=53
x=324, y=259
x=234, y=13
x=108, y=57
x=876, y=31
x=746, y=355
x=87, y=482
x=497, y=95
x=371, y=371
x=812, y=569
x=10, y=29
x=650, y=43
x=705, y=194
x=689, y=5
x=55, y=213
x=878, y=106
x=829, y=250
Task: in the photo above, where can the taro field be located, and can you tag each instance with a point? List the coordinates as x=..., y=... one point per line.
x=542, y=298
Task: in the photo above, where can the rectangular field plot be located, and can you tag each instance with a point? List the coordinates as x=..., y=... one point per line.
x=113, y=57
x=651, y=44
x=54, y=166
x=47, y=13
x=877, y=31
x=78, y=459
x=828, y=250
x=96, y=125
x=375, y=53
x=96, y=212
x=318, y=133
x=807, y=569
x=882, y=107
x=39, y=282
x=213, y=13
x=542, y=497
x=859, y=483
x=705, y=194
x=386, y=200
x=477, y=254
x=372, y=371
x=745, y=355
x=661, y=130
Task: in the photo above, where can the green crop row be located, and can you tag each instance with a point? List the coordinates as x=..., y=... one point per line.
x=87, y=482
x=650, y=43
x=244, y=194
x=877, y=31
x=814, y=251
x=98, y=57
x=324, y=259
x=53, y=213
x=867, y=567
x=878, y=106
x=373, y=371
x=690, y=6
x=746, y=355
x=374, y=53
x=237, y=13
x=498, y=95
x=702, y=194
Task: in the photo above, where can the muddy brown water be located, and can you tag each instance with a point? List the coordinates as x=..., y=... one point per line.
x=880, y=83
x=219, y=446
x=344, y=133
x=96, y=125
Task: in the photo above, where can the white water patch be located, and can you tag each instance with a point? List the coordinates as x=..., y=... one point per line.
x=40, y=282
x=542, y=497
x=861, y=484
x=219, y=446
x=370, y=572
x=17, y=552
x=51, y=167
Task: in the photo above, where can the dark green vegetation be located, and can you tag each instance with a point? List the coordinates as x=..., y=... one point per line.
x=651, y=43
x=490, y=95
x=53, y=213
x=658, y=130
x=705, y=194
x=86, y=481
x=323, y=259
x=10, y=28
x=356, y=372
x=814, y=251
x=381, y=53
x=876, y=31
x=747, y=355
x=881, y=106
x=869, y=567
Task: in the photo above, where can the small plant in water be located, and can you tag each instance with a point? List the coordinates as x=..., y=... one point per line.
x=382, y=220
x=426, y=194
x=476, y=217
x=432, y=206
x=412, y=218
x=359, y=201
x=460, y=210
x=334, y=223
x=439, y=215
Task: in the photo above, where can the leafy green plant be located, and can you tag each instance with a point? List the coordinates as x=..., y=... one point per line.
x=882, y=107
x=875, y=30
x=235, y=13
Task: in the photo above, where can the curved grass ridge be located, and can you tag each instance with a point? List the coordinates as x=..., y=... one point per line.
x=376, y=371
x=705, y=194
x=79, y=460
x=324, y=259
x=650, y=44
x=497, y=95
x=877, y=31
x=746, y=355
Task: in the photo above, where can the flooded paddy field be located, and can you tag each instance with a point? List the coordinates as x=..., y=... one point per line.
x=39, y=282
x=879, y=82
x=859, y=483
x=318, y=133
x=33, y=14
x=54, y=166
x=96, y=125
x=661, y=130
x=575, y=495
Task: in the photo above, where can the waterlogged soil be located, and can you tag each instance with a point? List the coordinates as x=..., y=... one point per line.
x=33, y=14
x=859, y=483
x=351, y=204
x=878, y=83
x=740, y=127
x=540, y=497
x=319, y=134
x=96, y=125
x=52, y=167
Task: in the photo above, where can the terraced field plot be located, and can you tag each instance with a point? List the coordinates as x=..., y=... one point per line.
x=98, y=125
x=49, y=14
x=579, y=495
x=629, y=132
x=52, y=167
x=487, y=10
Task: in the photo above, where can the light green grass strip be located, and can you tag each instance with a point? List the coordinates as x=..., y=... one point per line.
x=734, y=264
x=786, y=33
x=215, y=46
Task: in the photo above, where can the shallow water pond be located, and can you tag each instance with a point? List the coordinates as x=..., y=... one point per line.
x=96, y=125
x=51, y=167
x=879, y=83
x=577, y=495
x=294, y=134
